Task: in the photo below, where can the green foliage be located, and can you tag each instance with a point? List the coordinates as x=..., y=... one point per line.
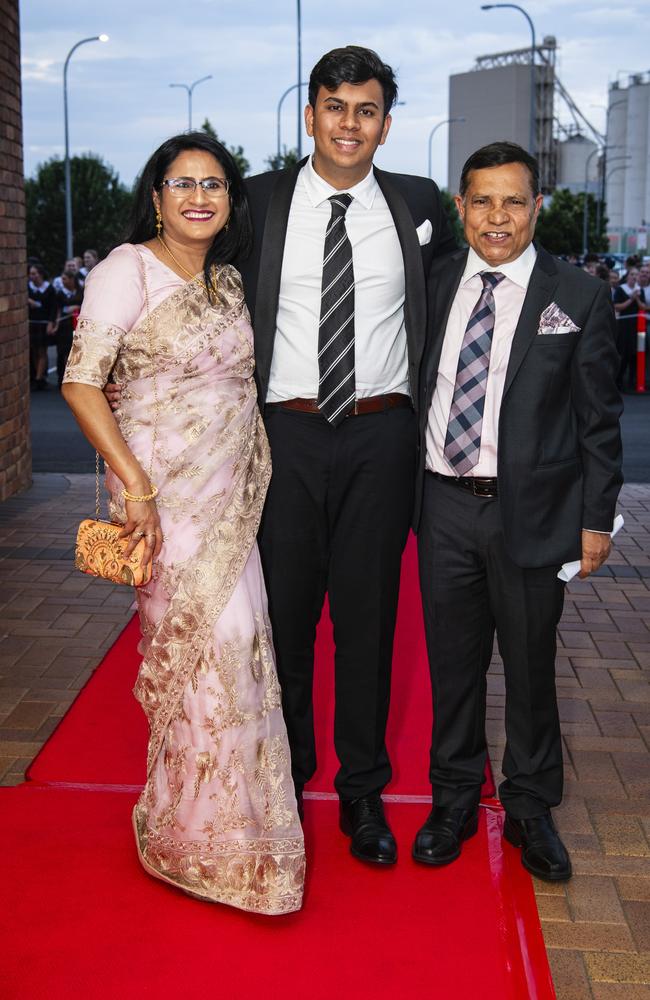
x=449, y=206
x=560, y=226
x=287, y=158
x=237, y=152
x=100, y=209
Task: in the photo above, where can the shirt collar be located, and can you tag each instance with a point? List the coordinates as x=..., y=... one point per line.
x=318, y=190
x=518, y=270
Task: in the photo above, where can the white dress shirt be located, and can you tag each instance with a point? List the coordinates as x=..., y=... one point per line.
x=381, y=363
x=509, y=297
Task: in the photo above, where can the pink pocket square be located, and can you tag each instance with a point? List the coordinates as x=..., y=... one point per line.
x=554, y=320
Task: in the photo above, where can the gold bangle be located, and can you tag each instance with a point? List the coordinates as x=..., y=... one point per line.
x=143, y=499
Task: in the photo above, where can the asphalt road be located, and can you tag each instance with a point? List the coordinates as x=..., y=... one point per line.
x=59, y=446
x=636, y=438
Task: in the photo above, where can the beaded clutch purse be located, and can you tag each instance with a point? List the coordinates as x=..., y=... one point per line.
x=100, y=552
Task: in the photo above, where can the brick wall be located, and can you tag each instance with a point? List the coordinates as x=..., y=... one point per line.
x=15, y=449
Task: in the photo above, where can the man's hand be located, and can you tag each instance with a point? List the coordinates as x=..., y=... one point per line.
x=113, y=393
x=595, y=550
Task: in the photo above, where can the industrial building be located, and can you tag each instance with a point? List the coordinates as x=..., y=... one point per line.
x=494, y=98
x=627, y=180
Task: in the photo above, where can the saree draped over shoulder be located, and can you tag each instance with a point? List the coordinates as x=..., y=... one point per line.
x=218, y=815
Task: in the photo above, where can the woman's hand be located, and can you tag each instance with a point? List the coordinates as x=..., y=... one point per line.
x=143, y=522
x=113, y=393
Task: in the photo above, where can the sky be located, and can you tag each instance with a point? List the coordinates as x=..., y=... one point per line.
x=122, y=107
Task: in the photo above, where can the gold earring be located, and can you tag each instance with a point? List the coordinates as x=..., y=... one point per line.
x=158, y=221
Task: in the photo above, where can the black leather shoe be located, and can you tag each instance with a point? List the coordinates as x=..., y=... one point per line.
x=439, y=841
x=542, y=852
x=364, y=821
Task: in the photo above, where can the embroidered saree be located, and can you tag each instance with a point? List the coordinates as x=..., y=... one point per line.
x=218, y=815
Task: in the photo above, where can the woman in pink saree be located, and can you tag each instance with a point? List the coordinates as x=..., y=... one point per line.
x=188, y=468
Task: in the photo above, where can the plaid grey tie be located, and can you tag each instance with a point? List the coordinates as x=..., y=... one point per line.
x=463, y=440
x=336, y=385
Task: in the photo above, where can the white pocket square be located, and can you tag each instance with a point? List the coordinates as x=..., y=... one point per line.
x=424, y=231
x=554, y=320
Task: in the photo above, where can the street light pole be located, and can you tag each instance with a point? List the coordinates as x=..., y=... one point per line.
x=66, y=167
x=299, y=78
x=585, y=214
x=447, y=121
x=532, y=136
x=190, y=90
x=603, y=172
x=614, y=169
x=294, y=86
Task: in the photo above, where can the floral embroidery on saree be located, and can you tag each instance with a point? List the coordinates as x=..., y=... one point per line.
x=218, y=815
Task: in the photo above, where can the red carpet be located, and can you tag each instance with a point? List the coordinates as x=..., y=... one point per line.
x=82, y=921
x=107, y=718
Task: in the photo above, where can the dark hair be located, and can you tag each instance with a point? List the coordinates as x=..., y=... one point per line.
x=602, y=272
x=497, y=154
x=68, y=273
x=229, y=244
x=352, y=64
x=36, y=264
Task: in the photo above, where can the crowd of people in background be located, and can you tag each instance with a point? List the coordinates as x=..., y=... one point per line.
x=630, y=289
x=53, y=310
x=54, y=307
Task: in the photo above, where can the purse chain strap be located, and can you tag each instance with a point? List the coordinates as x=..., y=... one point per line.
x=155, y=394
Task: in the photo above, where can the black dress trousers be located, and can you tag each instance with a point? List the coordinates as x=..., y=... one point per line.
x=336, y=520
x=470, y=588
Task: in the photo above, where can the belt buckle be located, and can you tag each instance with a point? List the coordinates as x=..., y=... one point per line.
x=482, y=489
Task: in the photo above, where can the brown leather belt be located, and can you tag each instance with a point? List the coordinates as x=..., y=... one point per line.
x=480, y=487
x=367, y=404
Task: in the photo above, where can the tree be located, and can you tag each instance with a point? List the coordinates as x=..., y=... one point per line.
x=237, y=152
x=278, y=161
x=560, y=226
x=100, y=209
x=449, y=206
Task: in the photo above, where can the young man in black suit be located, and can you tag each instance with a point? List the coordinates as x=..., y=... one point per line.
x=336, y=290
x=520, y=469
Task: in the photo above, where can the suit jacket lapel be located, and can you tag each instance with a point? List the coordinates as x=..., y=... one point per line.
x=270, y=271
x=415, y=293
x=442, y=298
x=543, y=282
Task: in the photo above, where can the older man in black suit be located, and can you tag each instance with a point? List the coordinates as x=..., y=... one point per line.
x=520, y=470
x=336, y=289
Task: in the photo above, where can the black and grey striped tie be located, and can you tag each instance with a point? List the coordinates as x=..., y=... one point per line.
x=336, y=388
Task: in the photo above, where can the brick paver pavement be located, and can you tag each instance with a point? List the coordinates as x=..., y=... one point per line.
x=56, y=624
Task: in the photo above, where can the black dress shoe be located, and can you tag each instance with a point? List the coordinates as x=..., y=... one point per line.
x=542, y=852
x=439, y=841
x=364, y=821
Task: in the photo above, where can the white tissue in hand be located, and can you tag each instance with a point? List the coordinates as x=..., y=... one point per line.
x=571, y=569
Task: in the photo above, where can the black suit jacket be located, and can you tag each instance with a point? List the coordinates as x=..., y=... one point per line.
x=559, y=449
x=411, y=200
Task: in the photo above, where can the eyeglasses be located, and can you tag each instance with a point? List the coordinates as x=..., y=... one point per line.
x=182, y=187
